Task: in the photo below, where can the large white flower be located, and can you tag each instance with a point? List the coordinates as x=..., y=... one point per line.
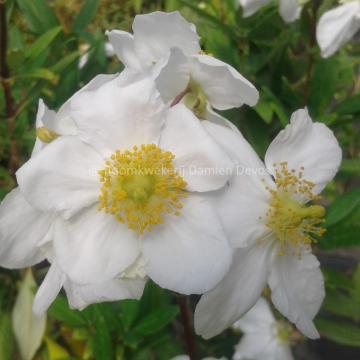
x=118, y=196
x=289, y=9
x=337, y=26
x=26, y=233
x=166, y=47
x=264, y=337
x=266, y=213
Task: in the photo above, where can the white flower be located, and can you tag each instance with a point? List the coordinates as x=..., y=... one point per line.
x=166, y=47
x=267, y=218
x=26, y=233
x=290, y=10
x=337, y=26
x=117, y=198
x=264, y=337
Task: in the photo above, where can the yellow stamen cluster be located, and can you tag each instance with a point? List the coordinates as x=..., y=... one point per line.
x=294, y=224
x=140, y=186
x=46, y=135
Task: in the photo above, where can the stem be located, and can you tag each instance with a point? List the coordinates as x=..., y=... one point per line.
x=312, y=42
x=5, y=82
x=188, y=326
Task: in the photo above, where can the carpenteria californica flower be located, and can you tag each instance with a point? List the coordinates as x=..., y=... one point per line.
x=166, y=47
x=264, y=337
x=123, y=196
x=337, y=26
x=289, y=9
x=26, y=233
x=269, y=220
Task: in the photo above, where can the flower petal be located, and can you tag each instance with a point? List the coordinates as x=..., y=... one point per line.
x=22, y=228
x=62, y=177
x=244, y=202
x=258, y=318
x=174, y=75
x=235, y=294
x=337, y=26
x=202, y=163
x=307, y=144
x=49, y=289
x=93, y=246
x=119, y=117
x=224, y=86
x=254, y=346
x=188, y=253
x=80, y=296
x=250, y=7
x=297, y=290
x=290, y=10
x=124, y=47
x=156, y=33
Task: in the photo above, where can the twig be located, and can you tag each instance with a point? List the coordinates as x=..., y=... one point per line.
x=188, y=326
x=312, y=42
x=5, y=82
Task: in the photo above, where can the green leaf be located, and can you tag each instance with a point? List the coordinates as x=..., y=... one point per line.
x=339, y=331
x=349, y=106
x=342, y=207
x=156, y=320
x=350, y=166
x=41, y=73
x=85, y=15
x=60, y=310
x=102, y=344
x=6, y=337
x=65, y=62
x=340, y=304
x=38, y=15
x=42, y=44
x=130, y=311
x=323, y=84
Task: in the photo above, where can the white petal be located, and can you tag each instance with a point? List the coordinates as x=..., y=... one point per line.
x=216, y=118
x=156, y=33
x=62, y=178
x=307, y=144
x=290, y=10
x=337, y=26
x=297, y=290
x=242, y=204
x=236, y=294
x=253, y=345
x=49, y=289
x=202, y=163
x=252, y=6
x=80, y=296
x=188, y=253
x=224, y=86
x=93, y=246
x=119, y=117
x=22, y=228
x=124, y=47
x=174, y=75
x=258, y=318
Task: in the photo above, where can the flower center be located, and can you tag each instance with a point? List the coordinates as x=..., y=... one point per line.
x=294, y=224
x=283, y=332
x=140, y=186
x=46, y=135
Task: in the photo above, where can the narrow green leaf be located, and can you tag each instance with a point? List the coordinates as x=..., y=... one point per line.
x=342, y=207
x=38, y=15
x=130, y=311
x=102, y=344
x=60, y=310
x=156, y=320
x=349, y=106
x=6, y=337
x=339, y=331
x=43, y=74
x=85, y=15
x=68, y=60
x=42, y=44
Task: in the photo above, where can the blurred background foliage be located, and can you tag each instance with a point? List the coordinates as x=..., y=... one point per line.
x=45, y=42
